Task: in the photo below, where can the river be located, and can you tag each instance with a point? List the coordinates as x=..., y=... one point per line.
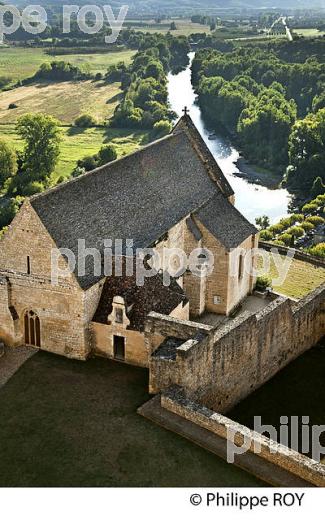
x=253, y=200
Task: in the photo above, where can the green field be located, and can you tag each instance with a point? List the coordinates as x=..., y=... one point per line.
x=19, y=63
x=74, y=423
x=77, y=144
x=184, y=27
x=309, y=33
x=64, y=100
x=302, y=278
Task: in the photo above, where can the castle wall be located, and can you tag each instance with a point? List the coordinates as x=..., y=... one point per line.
x=223, y=367
x=222, y=427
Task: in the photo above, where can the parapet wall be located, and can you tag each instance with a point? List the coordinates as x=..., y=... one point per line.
x=221, y=367
x=308, y=469
x=298, y=255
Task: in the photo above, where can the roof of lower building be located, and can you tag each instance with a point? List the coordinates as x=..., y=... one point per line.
x=153, y=296
x=138, y=197
x=224, y=221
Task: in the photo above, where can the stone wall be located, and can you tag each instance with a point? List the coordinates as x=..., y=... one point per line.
x=298, y=255
x=60, y=308
x=270, y=450
x=137, y=346
x=221, y=367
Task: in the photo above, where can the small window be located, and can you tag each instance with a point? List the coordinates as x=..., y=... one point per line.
x=241, y=267
x=28, y=265
x=118, y=315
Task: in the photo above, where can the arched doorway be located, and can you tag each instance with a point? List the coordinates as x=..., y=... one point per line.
x=32, y=329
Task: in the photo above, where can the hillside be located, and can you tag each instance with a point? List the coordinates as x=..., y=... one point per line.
x=147, y=7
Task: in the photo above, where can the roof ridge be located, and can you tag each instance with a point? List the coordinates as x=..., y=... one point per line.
x=101, y=168
x=209, y=160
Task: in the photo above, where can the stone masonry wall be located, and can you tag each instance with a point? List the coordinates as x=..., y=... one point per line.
x=60, y=308
x=270, y=450
x=223, y=366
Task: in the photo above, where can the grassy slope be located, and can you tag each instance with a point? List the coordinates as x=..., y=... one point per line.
x=69, y=423
x=19, y=63
x=76, y=145
x=302, y=278
x=64, y=100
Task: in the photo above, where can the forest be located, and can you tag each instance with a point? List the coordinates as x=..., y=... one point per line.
x=273, y=102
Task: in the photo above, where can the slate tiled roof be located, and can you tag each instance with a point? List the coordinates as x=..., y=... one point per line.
x=140, y=301
x=224, y=221
x=186, y=123
x=138, y=197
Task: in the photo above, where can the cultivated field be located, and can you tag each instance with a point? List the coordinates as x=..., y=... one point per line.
x=77, y=144
x=20, y=63
x=184, y=27
x=65, y=100
x=309, y=33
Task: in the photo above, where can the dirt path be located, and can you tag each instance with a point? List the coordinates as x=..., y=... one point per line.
x=12, y=360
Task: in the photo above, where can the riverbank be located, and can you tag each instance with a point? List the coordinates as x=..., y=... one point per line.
x=257, y=175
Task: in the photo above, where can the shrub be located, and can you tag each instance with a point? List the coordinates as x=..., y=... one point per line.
x=297, y=217
x=285, y=222
x=88, y=163
x=316, y=221
x=79, y=170
x=275, y=229
x=307, y=226
x=278, y=243
x=9, y=209
x=106, y=154
x=286, y=238
x=296, y=231
x=317, y=250
x=32, y=188
x=2, y=231
x=162, y=128
x=12, y=105
x=265, y=234
x=319, y=200
x=309, y=208
x=85, y=121
x=263, y=282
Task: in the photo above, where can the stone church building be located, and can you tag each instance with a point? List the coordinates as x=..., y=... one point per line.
x=169, y=194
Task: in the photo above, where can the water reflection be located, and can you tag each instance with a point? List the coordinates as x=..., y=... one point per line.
x=252, y=199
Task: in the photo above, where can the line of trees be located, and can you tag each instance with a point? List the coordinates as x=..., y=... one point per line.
x=144, y=83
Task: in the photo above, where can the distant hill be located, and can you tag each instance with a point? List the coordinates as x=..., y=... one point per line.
x=161, y=6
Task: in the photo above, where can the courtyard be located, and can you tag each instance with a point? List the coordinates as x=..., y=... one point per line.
x=72, y=423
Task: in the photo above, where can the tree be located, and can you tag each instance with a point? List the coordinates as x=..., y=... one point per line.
x=262, y=222
x=106, y=154
x=173, y=26
x=41, y=134
x=8, y=162
x=307, y=152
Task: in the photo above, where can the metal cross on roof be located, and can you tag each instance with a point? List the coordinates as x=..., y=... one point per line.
x=185, y=110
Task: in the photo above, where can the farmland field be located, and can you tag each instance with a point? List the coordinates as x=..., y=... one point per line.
x=18, y=63
x=64, y=100
x=309, y=33
x=78, y=144
x=184, y=27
